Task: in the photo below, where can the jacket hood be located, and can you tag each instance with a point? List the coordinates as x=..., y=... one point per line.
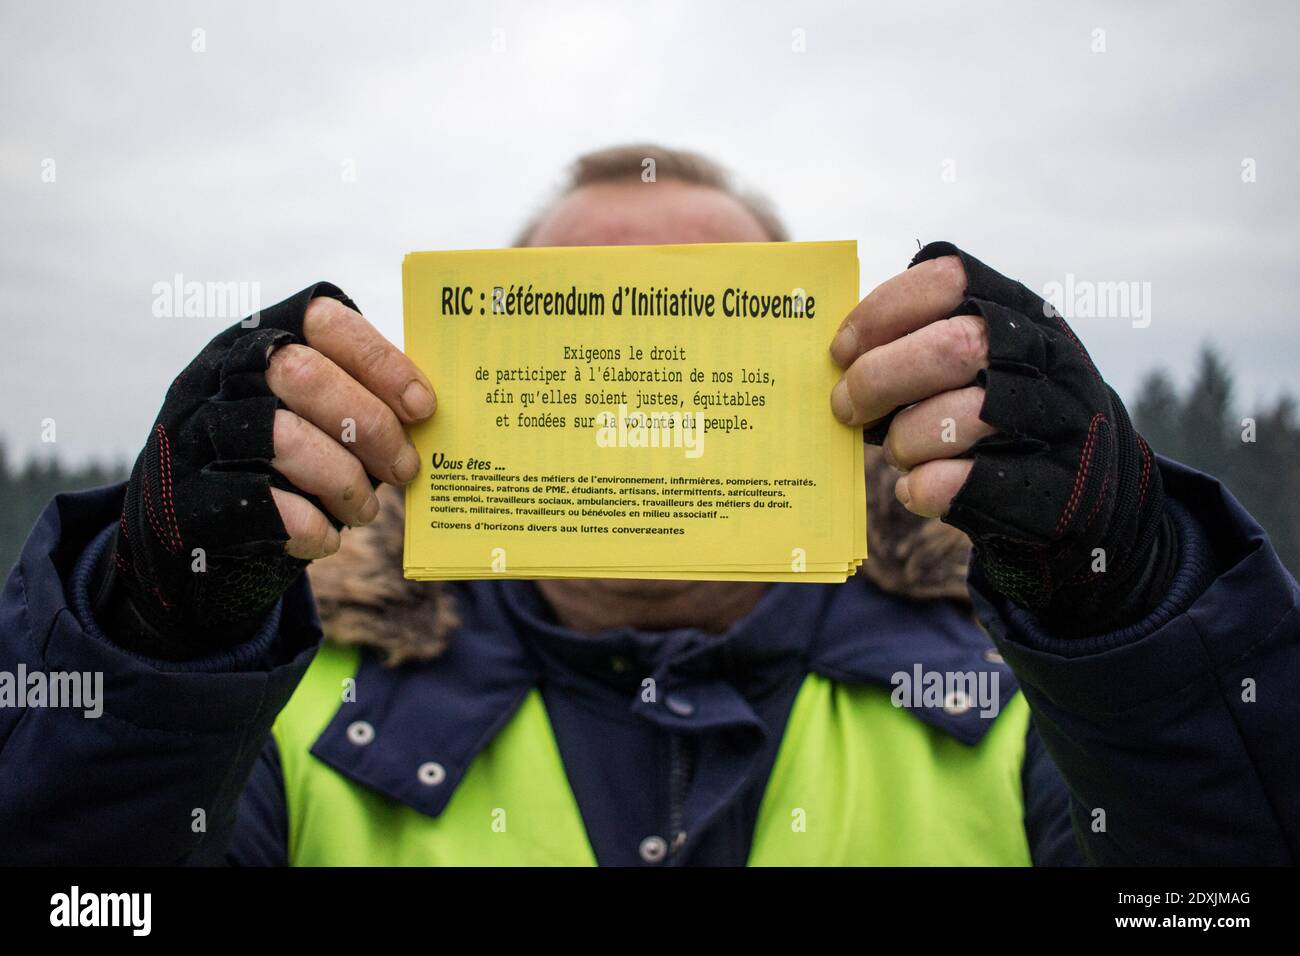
x=364, y=600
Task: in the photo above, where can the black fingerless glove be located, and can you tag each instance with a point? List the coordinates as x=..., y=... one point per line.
x=198, y=559
x=1064, y=505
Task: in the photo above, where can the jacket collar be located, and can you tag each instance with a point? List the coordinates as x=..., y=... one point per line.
x=761, y=650
x=431, y=718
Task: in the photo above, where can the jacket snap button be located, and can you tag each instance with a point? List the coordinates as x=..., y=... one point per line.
x=431, y=774
x=653, y=849
x=956, y=704
x=679, y=705
x=360, y=733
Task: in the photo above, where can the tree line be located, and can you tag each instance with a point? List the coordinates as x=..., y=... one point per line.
x=26, y=489
x=1255, y=453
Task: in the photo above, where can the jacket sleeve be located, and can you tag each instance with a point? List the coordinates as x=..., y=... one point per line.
x=149, y=766
x=1176, y=736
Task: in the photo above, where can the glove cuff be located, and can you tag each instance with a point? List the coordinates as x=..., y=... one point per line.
x=120, y=617
x=1127, y=597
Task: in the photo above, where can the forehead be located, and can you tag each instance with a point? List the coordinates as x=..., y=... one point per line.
x=637, y=213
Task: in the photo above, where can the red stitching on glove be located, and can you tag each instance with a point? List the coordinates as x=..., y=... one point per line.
x=1080, y=477
x=156, y=591
x=1069, y=332
x=149, y=512
x=1096, y=505
x=165, y=477
x=1146, y=470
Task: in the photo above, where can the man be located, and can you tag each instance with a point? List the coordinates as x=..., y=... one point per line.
x=1136, y=704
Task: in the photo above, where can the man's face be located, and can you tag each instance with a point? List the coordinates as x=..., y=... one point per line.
x=637, y=213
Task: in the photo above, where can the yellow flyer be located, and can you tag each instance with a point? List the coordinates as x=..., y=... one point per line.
x=633, y=411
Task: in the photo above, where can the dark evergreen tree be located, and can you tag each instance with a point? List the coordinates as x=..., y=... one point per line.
x=1159, y=410
x=1256, y=455
x=24, y=493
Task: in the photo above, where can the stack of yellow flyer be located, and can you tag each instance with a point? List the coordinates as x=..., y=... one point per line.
x=634, y=412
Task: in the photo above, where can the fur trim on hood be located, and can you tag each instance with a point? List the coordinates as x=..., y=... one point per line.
x=364, y=599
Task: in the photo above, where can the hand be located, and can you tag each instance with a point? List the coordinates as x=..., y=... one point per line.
x=346, y=382
x=899, y=355
x=267, y=444
x=986, y=401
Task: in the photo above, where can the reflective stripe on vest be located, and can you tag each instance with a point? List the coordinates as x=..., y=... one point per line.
x=857, y=781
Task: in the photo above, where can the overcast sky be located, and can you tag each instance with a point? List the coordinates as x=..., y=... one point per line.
x=1000, y=126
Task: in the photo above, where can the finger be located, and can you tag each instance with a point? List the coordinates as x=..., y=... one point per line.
x=311, y=535
x=944, y=426
x=928, y=489
x=321, y=392
x=318, y=465
x=345, y=337
x=941, y=356
x=928, y=291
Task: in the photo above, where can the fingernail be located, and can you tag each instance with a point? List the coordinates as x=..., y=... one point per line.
x=890, y=460
x=407, y=464
x=369, y=510
x=841, y=404
x=901, y=491
x=333, y=541
x=845, y=347
x=418, y=400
